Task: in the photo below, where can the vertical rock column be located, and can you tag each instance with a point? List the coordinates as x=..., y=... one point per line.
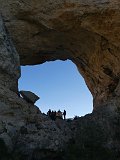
x=9, y=60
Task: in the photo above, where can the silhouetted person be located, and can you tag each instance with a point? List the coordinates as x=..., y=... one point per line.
x=64, y=114
x=59, y=114
x=49, y=113
x=53, y=115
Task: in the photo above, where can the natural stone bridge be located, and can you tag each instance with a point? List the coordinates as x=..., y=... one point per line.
x=86, y=32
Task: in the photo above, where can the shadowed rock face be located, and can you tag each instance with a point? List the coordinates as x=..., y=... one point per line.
x=9, y=60
x=86, y=32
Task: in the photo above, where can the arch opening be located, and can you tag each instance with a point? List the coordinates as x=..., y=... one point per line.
x=59, y=85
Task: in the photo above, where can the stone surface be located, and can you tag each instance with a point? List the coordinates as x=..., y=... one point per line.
x=9, y=60
x=86, y=32
x=29, y=96
x=28, y=132
x=24, y=128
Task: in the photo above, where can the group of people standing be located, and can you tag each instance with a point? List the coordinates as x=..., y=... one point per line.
x=56, y=115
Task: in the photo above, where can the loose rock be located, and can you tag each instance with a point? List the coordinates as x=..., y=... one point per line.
x=29, y=96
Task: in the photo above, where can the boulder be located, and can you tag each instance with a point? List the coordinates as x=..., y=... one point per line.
x=29, y=96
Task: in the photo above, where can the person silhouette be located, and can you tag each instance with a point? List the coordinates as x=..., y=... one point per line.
x=49, y=113
x=59, y=114
x=64, y=114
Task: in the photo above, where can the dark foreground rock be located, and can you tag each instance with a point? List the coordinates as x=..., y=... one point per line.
x=32, y=135
x=25, y=129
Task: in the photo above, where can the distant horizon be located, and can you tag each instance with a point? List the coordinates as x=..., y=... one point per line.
x=59, y=85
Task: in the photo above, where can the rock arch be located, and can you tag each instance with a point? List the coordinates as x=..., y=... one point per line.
x=84, y=32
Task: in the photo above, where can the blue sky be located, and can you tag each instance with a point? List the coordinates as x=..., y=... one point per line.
x=59, y=85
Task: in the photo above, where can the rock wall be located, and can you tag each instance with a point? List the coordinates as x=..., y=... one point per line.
x=23, y=128
x=9, y=60
x=86, y=32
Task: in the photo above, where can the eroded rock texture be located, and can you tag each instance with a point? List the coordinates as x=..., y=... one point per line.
x=87, y=32
x=9, y=60
x=25, y=129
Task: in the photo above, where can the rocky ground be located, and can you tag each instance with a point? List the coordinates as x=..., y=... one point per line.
x=29, y=134
x=24, y=128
